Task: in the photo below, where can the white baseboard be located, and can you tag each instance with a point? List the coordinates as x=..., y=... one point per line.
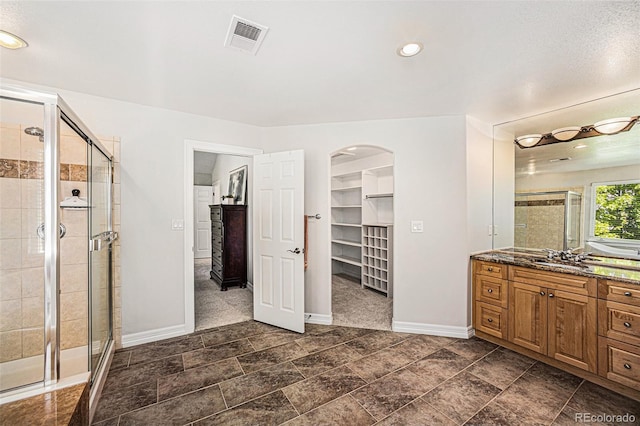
x=134, y=339
x=433, y=329
x=250, y=286
x=318, y=319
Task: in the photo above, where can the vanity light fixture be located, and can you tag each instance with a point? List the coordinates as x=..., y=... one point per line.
x=564, y=134
x=410, y=49
x=528, y=141
x=613, y=125
x=353, y=148
x=580, y=146
x=11, y=41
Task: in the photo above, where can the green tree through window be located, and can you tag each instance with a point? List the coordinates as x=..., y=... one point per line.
x=618, y=211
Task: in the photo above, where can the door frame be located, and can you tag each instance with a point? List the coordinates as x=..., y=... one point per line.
x=190, y=147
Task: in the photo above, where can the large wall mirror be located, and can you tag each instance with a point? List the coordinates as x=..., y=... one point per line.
x=579, y=193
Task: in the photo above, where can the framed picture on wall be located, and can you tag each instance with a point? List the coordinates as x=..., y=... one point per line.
x=238, y=185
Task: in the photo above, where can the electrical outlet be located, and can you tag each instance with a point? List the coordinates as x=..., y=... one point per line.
x=417, y=226
x=177, y=224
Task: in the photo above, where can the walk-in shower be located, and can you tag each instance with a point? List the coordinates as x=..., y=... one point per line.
x=55, y=257
x=551, y=219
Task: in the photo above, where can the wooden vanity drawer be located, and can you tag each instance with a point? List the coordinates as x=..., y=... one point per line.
x=491, y=319
x=619, y=321
x=555, y=280
x=491, y=290
x=490, y=269
x=619, y=292
x=619, y=362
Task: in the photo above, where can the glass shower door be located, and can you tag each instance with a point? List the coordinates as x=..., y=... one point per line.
x=100, y=326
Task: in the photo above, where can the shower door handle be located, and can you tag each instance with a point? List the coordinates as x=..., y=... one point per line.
x=40, y=231
x=101, y=240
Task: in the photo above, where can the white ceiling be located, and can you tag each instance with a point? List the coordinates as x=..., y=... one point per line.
x=330, y=61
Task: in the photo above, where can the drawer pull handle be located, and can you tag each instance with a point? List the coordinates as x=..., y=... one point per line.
x=627, y=366
x=550, y=294
x=489, y=320
x=490, y=269
x=628, y=325
x=490, y=290
x=542, y=293
x=627, y=293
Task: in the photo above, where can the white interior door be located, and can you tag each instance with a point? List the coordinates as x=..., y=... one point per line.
x=278, y=224
x=202, y=198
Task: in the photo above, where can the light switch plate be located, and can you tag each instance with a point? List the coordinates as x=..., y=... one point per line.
x=417, y=226
x=177, y=224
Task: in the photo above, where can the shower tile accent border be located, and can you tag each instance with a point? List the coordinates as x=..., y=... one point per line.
x=23, y=169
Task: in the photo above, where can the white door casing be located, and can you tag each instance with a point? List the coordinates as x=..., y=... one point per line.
x=216, y=192
x=202, y=198
x=278, y=226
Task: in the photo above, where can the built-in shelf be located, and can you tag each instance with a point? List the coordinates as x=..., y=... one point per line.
x=354, y=206
x=347, y=175
x=347, y=243
x=377, y=258
x=349, y=260
x=355, y=225
x=347, y=188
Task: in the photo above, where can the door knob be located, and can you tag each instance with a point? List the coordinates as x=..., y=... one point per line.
x=295, y=251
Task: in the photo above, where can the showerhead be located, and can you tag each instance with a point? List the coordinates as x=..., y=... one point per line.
x=35, y=131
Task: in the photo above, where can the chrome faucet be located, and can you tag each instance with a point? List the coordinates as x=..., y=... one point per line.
x=565, y=255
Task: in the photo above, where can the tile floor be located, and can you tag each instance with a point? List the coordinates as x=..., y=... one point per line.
x=253, y=374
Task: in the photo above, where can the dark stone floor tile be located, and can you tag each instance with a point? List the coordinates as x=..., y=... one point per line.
x=125, y=400
x=125, y=377
x=315, y=329
x=178, y=411
x=234, y=332
x=570, y=417
x=196, y=378
x=331, y=338
x=494, y=414
x=258, y=360
x=439, y=366
x=473, y=348
x=537, y=399
x=241, y=389
x=418, y=413
x=276, y=338
x=271, y=409
x=164, y=348
x=320, y=389
x=595, y=399
x=120, y=360
x=216, y=353
x=555, y=376
x=375, y=341
x=342, y=411
x=328, y=359
x=386, y=395
x=462, y=396
x=419, y=346
x=381, y=363
x=501, y=367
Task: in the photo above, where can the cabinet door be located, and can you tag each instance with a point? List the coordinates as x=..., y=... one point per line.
x=572, y=329
x=528, y=316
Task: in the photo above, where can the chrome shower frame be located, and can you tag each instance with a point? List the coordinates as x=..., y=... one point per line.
x=55, y=109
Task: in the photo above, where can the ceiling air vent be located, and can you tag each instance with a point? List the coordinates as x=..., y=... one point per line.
x=245, y=35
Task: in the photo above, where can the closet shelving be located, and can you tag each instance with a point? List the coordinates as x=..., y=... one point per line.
x=361, y=231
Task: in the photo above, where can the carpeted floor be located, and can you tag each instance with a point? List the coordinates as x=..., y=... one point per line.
x=353, y=306
x=215, y=308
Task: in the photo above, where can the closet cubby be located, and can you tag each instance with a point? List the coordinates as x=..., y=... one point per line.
x=377, y=258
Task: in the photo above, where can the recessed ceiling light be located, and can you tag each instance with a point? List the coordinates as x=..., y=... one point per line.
x=11, y=41
x=353, y=148
x=410, y=49
x=580, y=146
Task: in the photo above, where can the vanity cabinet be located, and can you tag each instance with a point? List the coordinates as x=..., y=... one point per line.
x=619, y=332
x=555, y=315
x=490, y=298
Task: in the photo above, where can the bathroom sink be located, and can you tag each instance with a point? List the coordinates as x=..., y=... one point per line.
x=561, y=265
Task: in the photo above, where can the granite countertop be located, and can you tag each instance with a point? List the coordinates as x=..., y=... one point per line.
x=622, y=270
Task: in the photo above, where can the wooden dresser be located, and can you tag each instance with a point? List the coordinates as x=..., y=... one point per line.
x=229, y=245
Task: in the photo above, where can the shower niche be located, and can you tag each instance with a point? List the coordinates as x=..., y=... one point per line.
x=362, y=217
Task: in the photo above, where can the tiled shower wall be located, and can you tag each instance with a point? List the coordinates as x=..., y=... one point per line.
x=22, y=252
